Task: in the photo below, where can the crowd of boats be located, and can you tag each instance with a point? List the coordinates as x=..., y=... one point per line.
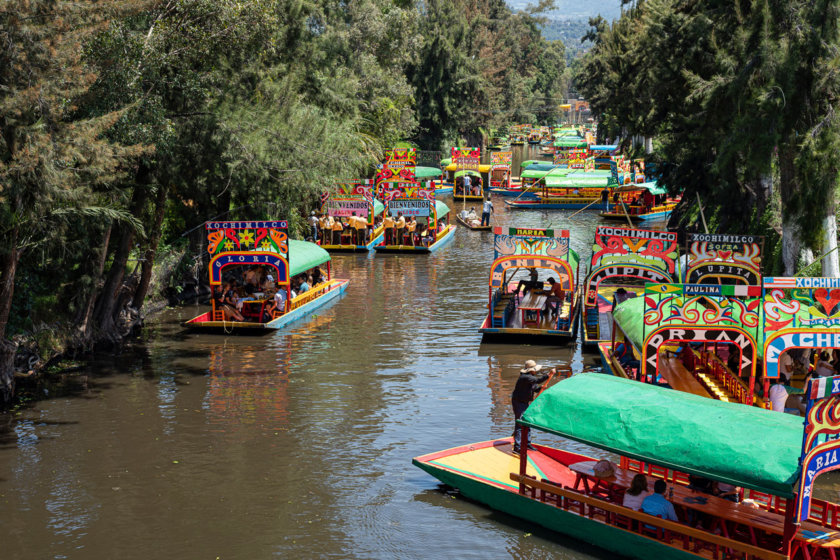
x=708, y=367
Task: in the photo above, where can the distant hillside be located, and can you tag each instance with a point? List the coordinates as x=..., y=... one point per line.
x=569, y=31
x=575, y=9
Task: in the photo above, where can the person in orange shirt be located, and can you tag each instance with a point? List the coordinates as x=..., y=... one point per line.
x=388, y=224
x=400, y=228
x=337, y=228
x=555, y=295
x=411, y=226
x=351, y=225
x=361, y=230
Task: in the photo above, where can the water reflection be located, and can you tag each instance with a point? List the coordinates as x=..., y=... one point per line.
x=295, y=444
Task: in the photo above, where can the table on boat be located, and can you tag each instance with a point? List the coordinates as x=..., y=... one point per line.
x=252, y=303
x=726, y=516
x=532, y=303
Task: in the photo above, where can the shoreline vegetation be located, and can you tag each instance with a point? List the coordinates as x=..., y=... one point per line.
x=124, y=125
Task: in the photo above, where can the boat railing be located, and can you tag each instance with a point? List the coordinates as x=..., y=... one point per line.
x=655, y=471
x=311, y=294
x=669, y=533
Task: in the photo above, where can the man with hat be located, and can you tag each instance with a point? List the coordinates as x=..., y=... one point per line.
x=313, y=225
x=529, y=382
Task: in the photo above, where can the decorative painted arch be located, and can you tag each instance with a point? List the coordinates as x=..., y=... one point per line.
x=500, y=265
x=647, y=274
x=699, y=333
x=219, y=262
x=711, y=272
x=820, y=448
x=778, y=342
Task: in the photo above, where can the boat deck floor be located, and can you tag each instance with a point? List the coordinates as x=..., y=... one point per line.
x=678, y=377
x=546, y=321
x=493, y=464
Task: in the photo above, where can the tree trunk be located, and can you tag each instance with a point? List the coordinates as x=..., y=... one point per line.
x=792, y=250
x=85, y=311
x=151, y=249
x=648, y=145
x=831, y=260
x=8, y=348
x=106, y=311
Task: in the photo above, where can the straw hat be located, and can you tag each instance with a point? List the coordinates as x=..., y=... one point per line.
x=531, y=367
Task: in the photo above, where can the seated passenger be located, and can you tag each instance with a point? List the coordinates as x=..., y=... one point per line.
x=229, y=302
x=657, y=505
x=529, y=284
x=303, y=285
x=277, y=304
x=556, y=296
x=637, y=493
x=317, y=276
x=472, y=216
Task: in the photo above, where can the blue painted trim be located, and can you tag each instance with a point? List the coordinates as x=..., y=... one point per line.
x=554, y=206
x=306, y=310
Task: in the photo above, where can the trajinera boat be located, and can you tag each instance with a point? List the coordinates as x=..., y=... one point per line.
x=351, y=218
x=425, y=225
x=698, y=338
x=261, y=258
x=675, y=439
x=539, y=313
x=635, y=198
x=623, y=261
x=551, y=187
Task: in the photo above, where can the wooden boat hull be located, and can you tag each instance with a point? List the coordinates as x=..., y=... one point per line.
x=537, y=204
x=462, y=197
x=499, y=492
x=357, y=248
x=474, y=228
x=519, y=334
x=444, y=189
x=659, y=215
x=441, y=240
x=204, y=323
x=513, y=193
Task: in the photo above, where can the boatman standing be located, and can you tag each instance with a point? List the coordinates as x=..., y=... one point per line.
x=529, y=382
x=485, y=214
x=313, y=224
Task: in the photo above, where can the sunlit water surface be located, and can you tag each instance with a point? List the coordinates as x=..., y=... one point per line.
x=296, y=444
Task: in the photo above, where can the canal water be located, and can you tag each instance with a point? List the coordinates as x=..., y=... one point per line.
x=293, y=445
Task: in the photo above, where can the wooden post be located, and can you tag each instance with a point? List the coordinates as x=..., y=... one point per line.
x=523, y=455
x=790, y=527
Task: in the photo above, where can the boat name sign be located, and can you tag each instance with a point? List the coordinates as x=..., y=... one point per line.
x=409, y=207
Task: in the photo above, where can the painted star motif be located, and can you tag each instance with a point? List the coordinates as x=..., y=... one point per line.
x=246, y=238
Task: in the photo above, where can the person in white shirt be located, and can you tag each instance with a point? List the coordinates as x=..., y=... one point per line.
x=637, y=493
x=485, y=213
x=781, y=400
x=824, y=367
x=786, y=365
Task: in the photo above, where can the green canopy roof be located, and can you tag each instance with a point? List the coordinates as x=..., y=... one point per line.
x=729, y=442
x=529, y=162
x=470, y=172
x=441, y=208
x=566, y=142
x=378, y=207
x=445, y=161
x=577, y=180
x=427, y=172
x=650, y=186
x=539, y=170
x=304, y=255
